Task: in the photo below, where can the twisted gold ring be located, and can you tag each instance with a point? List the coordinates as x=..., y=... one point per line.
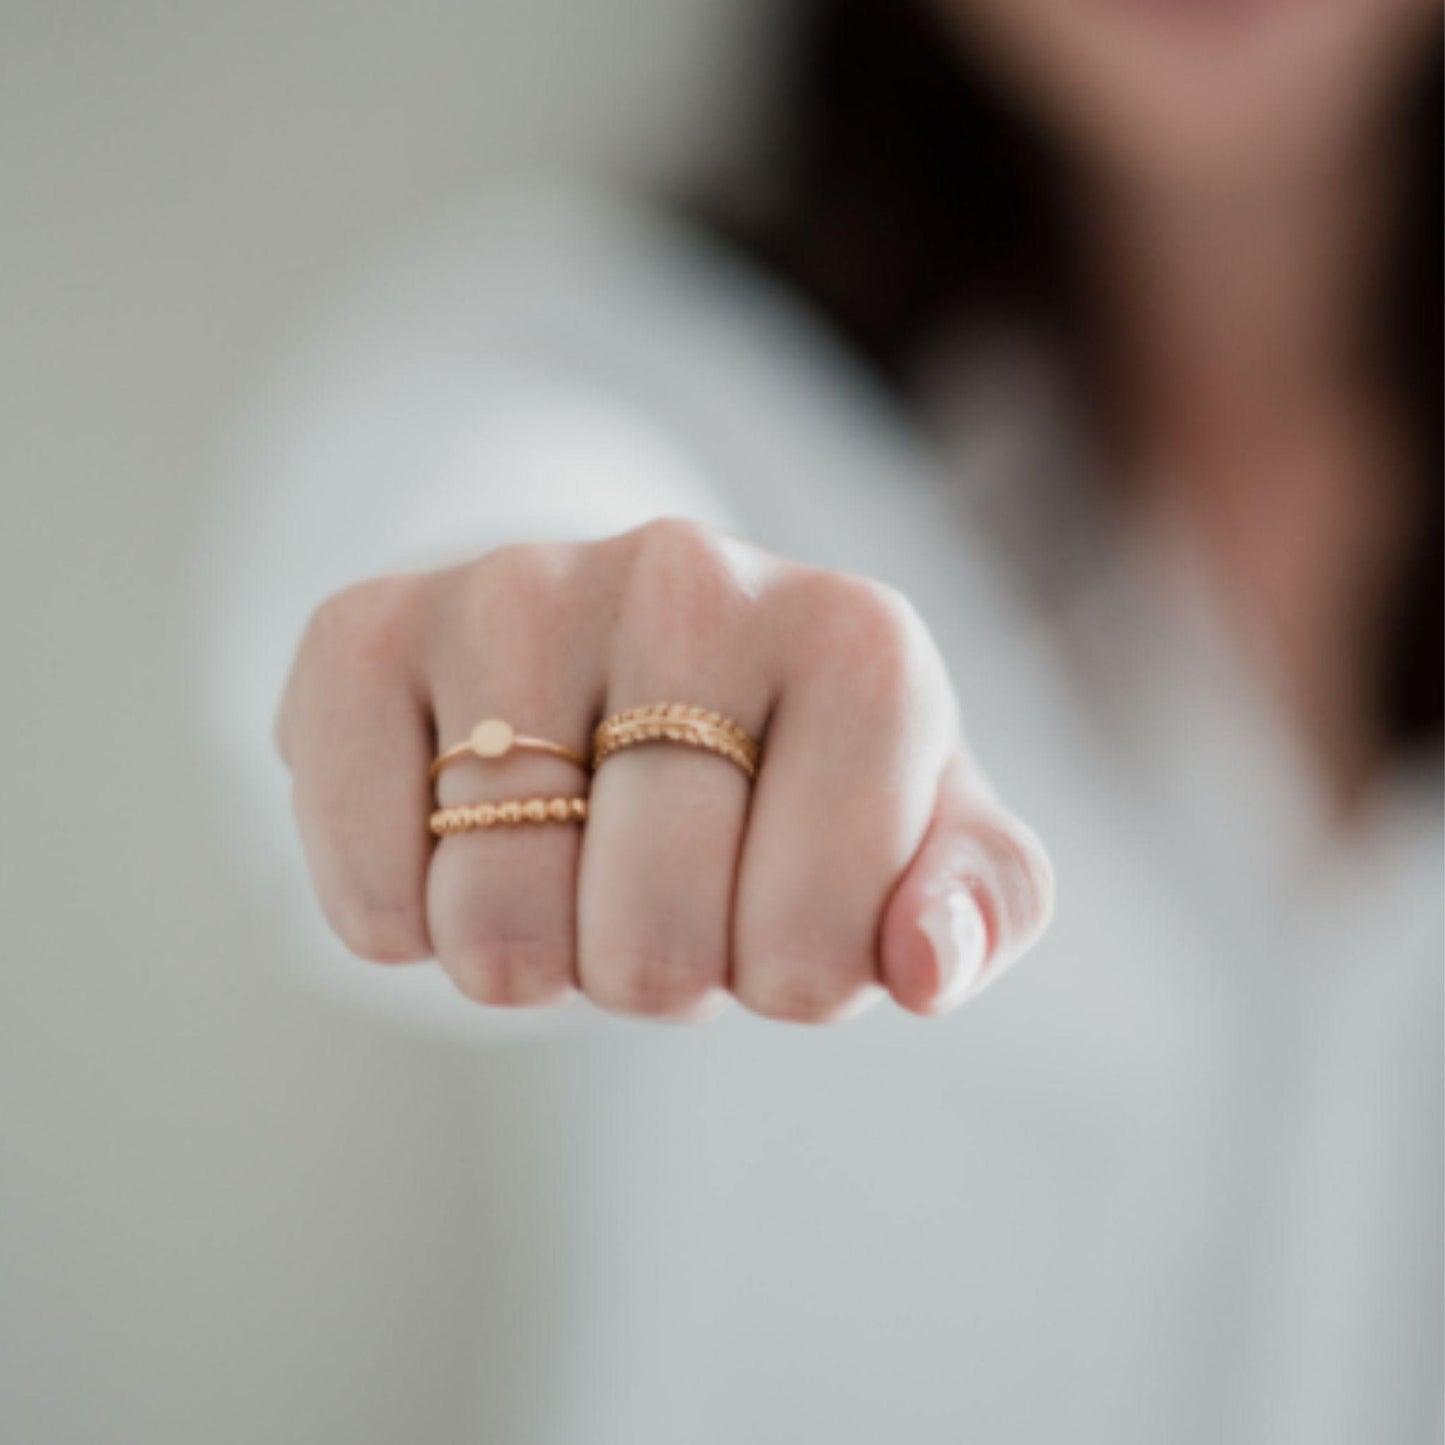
x=676, y=722
x=493, y=738
x=470, y=817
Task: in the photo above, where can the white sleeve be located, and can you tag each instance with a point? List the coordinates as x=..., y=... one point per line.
x=455, y=399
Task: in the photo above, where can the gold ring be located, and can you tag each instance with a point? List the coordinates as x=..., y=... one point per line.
x=676, y=722
x=493, y=738
x=469, y=817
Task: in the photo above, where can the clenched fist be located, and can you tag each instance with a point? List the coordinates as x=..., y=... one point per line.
x=869, y=854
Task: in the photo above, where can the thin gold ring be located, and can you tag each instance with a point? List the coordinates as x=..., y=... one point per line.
x=470, y=817
x=494, y=738
x=677, y=722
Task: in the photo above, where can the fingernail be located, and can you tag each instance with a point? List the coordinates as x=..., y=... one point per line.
x=958, y=935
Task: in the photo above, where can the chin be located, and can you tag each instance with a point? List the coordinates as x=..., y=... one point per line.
x=1202, y=93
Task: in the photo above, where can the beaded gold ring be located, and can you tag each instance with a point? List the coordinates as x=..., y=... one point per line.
x=474, y=817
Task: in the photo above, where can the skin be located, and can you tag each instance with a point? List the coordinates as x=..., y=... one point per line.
x=1234, y=190
x=1198, y=101
x=871, y=856
x=1235, y=187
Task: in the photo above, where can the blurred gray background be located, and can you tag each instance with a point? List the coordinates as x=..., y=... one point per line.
x=229, y=1211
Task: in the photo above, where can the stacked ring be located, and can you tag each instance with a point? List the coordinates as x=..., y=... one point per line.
x=676, y=722
x=471, y=817
x=661, y=722
x=490, y=739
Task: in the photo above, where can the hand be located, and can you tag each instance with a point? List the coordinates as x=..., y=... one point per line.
x=870, y=854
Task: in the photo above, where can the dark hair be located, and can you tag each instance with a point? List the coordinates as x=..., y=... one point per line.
x=905, y=192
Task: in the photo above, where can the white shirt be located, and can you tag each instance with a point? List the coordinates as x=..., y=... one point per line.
x=1176, y=1179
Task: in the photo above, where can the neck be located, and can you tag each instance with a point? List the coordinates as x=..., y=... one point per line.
x=1240, y=335
x=1232, y=314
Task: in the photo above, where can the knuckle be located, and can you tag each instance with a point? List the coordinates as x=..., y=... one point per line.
x=363, y=635
x=519, y=580
x=367, y=626
x=672, y=541
x=864, y=628
x=859, y=602
x=656, y=985
x=508, y=972
x=682, y=580
x=518, y=567
x=813, y=988
x=381, y=933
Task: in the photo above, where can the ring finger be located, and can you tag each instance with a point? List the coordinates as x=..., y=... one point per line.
x=501, y=901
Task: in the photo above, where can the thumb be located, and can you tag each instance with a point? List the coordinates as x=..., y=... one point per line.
x=978, y=893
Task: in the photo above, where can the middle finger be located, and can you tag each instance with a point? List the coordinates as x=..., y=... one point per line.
x=660, y=857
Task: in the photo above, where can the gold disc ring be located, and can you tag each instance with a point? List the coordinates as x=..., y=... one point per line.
x=494, y=738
